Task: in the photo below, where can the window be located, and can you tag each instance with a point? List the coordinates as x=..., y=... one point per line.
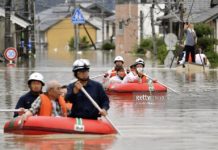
x=120, y=27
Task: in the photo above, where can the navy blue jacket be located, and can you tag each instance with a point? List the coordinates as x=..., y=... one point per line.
x=25, y=101
x=82, y=107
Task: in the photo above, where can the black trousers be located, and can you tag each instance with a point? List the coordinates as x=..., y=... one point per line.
x=190, y=49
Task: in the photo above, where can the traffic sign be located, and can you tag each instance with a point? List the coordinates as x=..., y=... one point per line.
x=10, y=53
x=77, y=17
x=170, y=40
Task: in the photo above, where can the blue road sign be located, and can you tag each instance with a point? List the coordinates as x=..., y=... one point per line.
x=77, y=17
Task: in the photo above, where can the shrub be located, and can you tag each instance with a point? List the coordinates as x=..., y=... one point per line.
x=83, y=43
x=147, y=44
x=108, y=46
x=206, y=42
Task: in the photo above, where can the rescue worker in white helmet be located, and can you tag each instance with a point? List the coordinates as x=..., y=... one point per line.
x=35, y=83
x=118, y=61
x=82, y=107
x=136, y=76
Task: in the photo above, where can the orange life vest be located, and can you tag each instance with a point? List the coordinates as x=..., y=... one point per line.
x=46, y=106
x=143, y=79
x=69, y=106
x=113, y=73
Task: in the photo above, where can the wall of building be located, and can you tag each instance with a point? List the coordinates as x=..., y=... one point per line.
x=59, y=35
x=126, y=27
x=128, y=38
x=145, y=8
x=2, y=35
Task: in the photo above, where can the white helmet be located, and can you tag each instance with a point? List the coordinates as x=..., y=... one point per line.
x=81, y=64
x=139, y=61
x=36, y=77
x=118, y=58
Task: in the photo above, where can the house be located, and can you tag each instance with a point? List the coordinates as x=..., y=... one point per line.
x=133, y=23
x=107, y=18
x=56, y=21
x=17, y=25
x=201, y=11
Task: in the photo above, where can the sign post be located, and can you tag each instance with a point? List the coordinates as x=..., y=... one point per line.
x=170, y=40
x=10, y=54
x=77, y=18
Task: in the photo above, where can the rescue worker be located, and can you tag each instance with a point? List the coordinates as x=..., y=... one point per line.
x=51, y=103
x=82, y=107
x=119, y=77
x=138, y=75
x=35, y=83
x=118, y=61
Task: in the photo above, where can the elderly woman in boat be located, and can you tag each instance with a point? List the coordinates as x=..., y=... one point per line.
x=51, y=103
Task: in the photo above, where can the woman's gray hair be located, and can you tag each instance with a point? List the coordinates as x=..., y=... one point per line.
x=52, y=84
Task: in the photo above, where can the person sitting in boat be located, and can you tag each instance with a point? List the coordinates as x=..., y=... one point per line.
x=82, y=107
x=35, y=83
x=63, y=93
x=137, y=74
x=119, y=77
x=118, y=61
x=51, y=103
x=200, y=58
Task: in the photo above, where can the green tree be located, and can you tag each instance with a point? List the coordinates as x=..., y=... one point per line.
x=207, y=42
x=147, y=45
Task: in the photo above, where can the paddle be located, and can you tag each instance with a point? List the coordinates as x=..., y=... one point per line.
x=163, y=84
x=90, y=78
x=202, y=61
x=97, y=107
x=97, y=76
x=9, y=110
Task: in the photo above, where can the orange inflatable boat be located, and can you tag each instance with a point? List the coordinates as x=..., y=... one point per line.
x=37, y=125
x=136, y=87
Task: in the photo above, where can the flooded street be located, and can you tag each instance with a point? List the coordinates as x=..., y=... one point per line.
x=159, y=121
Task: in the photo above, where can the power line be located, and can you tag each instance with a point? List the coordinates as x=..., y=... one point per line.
x=190, y=9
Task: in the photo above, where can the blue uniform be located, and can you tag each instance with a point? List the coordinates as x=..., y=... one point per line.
x=25, y=101
x=82, y=107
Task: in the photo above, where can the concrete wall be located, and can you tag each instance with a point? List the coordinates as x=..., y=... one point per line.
x=126, y=27
x=129, y=14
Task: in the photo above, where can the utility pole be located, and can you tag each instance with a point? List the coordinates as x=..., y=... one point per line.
x=141, y=25
x=26, y=31
x=181, y=25
x=75, y=28
x=32, y=27
x=8, y=36
x=102, y=11
x=153, y=29
x=170, y=20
